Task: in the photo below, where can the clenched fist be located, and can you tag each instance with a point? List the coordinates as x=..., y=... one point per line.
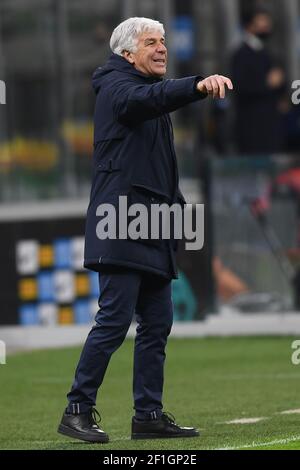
x=215, y=85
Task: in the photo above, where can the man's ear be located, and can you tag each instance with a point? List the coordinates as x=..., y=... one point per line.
x=128, y=56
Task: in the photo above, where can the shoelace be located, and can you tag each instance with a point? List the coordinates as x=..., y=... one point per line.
x=168, y=417
x=95, y=415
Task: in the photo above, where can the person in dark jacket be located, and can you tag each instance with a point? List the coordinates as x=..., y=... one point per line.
x=134, y=157
x=260, y=85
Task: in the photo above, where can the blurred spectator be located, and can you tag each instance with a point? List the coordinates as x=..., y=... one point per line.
x=284, y=185
x=292, y=127
x=228, y=283
x=259, y=87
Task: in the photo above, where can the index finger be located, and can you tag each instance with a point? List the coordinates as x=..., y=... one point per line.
x=228, y=82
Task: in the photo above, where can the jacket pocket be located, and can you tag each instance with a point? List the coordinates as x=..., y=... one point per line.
x=109, y=166
x=155, y=194
x=140, y=194
x=106, y=150
x=106, y=179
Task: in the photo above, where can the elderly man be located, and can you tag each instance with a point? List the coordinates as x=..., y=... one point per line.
x=134, y=156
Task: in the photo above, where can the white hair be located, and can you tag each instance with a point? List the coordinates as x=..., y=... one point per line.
x=125, y=35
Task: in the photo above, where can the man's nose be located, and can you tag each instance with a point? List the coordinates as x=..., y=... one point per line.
x=161, y=48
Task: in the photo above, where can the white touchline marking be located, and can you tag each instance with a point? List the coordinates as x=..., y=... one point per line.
x=290, y=412
x=235, y=421
x=257, y=420
x=244, y=420
x=262, y=444
x=278, y=376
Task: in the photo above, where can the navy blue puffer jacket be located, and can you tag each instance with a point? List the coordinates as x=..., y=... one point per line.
x=134, y=156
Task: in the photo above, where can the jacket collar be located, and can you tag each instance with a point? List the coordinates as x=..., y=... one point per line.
x=118, y=62
x=253, y=42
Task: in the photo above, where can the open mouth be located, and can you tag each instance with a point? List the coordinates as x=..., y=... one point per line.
x=159, y=61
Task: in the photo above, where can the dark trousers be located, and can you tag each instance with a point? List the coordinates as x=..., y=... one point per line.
x=123, y=293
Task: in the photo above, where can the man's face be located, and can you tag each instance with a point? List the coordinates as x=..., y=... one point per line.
x=151, y=55
x=262, y=25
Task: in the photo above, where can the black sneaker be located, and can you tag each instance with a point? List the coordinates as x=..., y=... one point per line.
x=163, y=427
x=83, y=426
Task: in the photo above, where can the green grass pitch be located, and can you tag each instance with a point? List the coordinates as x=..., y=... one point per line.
x=208, y=382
